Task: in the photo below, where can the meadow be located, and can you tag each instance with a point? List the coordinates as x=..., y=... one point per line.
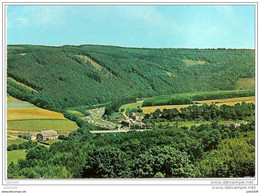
x=245, y=83
x=61, y=126
x=13, y=156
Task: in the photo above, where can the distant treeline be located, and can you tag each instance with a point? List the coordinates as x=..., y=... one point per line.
x=190, y=98
x=24, y=145
x=204, y=112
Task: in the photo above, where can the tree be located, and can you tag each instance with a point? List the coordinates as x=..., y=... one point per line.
x=163, y=161
x=106, y=162
x=234, y=158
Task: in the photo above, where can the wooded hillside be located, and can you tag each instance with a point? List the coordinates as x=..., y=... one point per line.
x=66, y=76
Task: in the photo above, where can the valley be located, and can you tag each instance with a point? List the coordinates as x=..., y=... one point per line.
x=93, y=111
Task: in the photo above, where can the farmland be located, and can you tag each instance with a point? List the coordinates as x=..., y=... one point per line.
x=32, y=113
x=59, y=125
x=218, y=102
x=25, y=117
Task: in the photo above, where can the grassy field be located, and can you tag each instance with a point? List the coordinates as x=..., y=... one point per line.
x=12, y=99
x=193, y=62
x=61, y=126
x=12, y=140
x=92, y=62
x=76, y=113
x=131, y=105
x=13, y=156
x=218, y=102
x=32, y=113
x=245, y=83
x=22, y=104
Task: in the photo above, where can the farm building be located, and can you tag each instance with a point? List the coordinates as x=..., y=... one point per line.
x=28, y=136
x=47, y=135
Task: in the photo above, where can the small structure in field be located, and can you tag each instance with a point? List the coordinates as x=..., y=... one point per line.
x=28, y=135
x=47, y=135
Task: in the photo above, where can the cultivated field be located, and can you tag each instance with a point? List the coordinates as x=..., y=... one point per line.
x=32, y=113
x=218, y=102
x=25, y=117
x=61, y=126
x=12, y=99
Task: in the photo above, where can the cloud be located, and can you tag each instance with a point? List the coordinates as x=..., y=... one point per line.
x=35, y=16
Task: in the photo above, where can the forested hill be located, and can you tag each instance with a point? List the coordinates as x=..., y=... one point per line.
x=66, y=76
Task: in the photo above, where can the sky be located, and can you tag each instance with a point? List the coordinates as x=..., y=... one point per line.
x=133, y=26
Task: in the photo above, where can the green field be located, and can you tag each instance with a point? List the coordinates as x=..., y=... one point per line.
x=131, y=105
x=193, y=62
x=61, y=126
x=245, y=83
x=19, y=105
x=13, y=156
x=17, y=141
x=190, y=98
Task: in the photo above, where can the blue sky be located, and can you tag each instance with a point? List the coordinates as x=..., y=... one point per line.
x=133, y=26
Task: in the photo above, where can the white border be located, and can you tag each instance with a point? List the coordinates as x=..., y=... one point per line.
x=79, y=182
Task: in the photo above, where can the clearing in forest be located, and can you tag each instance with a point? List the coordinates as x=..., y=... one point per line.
x=92, y=62
x=245, y=83
x=193, y=62
x=20, y=84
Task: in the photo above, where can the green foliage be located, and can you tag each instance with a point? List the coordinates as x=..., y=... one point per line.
x=163, y=162
x=203, y=151
x=204, y=112
x=115, y=105
x=106, y=162
x=24, y=145
x=61, y=79
x=233, y=158
x=190, y=98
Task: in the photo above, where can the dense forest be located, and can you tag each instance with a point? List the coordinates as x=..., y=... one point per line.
x=208, y=150
x=67, y=76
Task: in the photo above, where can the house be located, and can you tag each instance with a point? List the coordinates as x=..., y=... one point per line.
x=47, y=135
x=28, y=136
x=237, y=125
